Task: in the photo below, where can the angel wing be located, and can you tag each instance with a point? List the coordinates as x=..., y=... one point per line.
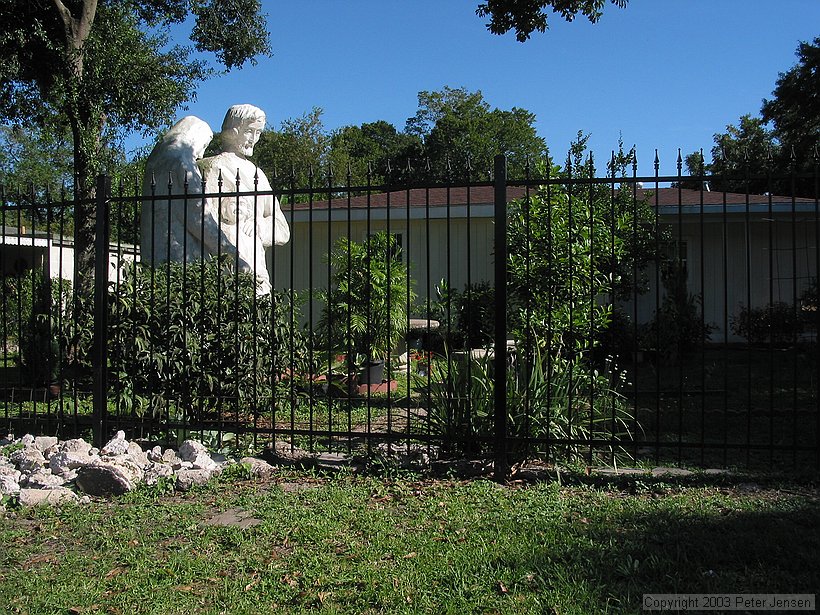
x=174, y=158
x=171, y=171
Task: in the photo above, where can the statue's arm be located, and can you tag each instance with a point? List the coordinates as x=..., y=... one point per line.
x=271, y=226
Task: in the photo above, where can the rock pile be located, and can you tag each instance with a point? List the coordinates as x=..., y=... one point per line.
x=45, y=470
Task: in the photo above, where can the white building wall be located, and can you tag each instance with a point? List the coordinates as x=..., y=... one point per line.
x=434, y=250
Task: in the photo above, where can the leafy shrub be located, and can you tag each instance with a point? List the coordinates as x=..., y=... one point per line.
x=196, y=336
x=554, y=399
x=32, y=310
x=677, y=327
x=467, y=317
x=618, y=340
x=777, y=323
x=573, y=250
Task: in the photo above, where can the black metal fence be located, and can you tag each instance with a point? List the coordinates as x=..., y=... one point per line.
x=561, y=315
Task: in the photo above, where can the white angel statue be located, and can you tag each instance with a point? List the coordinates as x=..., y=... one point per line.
x=179, y=223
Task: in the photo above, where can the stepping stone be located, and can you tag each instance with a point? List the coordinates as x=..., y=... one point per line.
x=233, y=517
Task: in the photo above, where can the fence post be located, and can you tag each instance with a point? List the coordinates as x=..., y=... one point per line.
x=500, y=356
x=99, y=353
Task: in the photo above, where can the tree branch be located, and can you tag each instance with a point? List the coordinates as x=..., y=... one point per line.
x=77, y=29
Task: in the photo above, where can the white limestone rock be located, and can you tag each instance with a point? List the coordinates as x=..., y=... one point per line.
x=155, y=471
x=155, y=454
x=77, y=445
x=191, y=449
x=104, y=479
x=290, y=453
x=258, y=467
x=53, y=497
x=28, y=459
x=169, y=456
x=43, y=479
x=43, y=443
x=9, y=484
x=137, y=455
x=118, y=445
x=10, y=470
x=188, y=478
x=27, y=440
x=64, y=461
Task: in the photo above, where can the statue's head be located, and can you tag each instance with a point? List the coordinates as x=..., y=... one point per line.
x=192, y=131
x=241, y=128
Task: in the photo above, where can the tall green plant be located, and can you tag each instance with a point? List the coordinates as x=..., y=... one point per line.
x=366, y=309
x=677, y=327
x=575, y=248
x=557, y=401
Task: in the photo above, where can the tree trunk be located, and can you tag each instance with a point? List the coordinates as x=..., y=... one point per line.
x=86, y=135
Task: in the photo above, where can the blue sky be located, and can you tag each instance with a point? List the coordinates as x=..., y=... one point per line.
x=664, y=74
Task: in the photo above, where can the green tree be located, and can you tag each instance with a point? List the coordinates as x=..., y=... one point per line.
x=101, y=69
x=299, y=147
x=459, y=127
x=573, y=250
x=743, y=157
x=376, y=144
x=760, y=154
x=451, y=128
x=34, y=159
x=527, y=16
x=795, y=109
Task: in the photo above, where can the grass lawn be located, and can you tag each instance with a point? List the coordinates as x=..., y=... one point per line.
x=404, y=545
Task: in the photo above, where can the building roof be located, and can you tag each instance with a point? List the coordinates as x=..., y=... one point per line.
x=484, y=195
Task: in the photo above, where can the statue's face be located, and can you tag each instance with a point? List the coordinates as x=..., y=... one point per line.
x=241, y=139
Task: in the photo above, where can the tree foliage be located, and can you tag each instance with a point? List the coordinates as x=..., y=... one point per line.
x=34, y=159
x=573, y=250
x=795, y=109
x=761, y=154
x=299, y=147
x=460, y=129
x=101, y=68
x=453, y=129
x=527, y=16
x=378, y=143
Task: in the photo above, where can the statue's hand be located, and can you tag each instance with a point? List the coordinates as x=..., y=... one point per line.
x=248, y=227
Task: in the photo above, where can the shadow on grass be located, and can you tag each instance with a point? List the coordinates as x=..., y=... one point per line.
x=608, y=556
